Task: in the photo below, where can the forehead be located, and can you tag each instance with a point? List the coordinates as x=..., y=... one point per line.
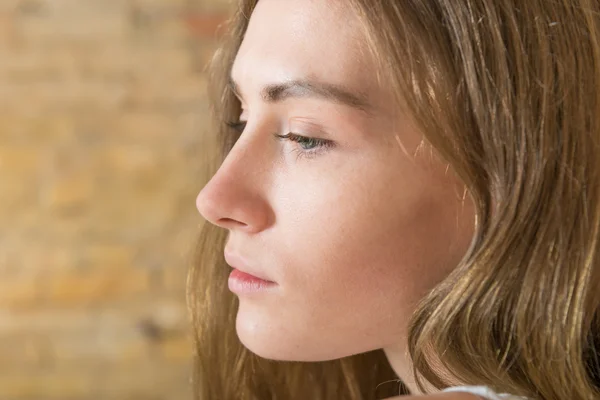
x=316, y=39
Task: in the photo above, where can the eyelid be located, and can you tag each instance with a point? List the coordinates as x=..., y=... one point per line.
x=321, y=145
x=305, y=126
x=299, y=125
x=237, y=126
x=233, y=87
x=239, y=98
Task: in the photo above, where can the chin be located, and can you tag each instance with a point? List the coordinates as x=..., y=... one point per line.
x=281, y=347
x=265, y=343
x=271, y=343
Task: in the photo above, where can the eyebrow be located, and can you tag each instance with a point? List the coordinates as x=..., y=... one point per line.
x=278, y=92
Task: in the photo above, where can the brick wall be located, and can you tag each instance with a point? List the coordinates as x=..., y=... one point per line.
x=101, y=121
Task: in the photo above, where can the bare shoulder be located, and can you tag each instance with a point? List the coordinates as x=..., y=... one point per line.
x=439, y=396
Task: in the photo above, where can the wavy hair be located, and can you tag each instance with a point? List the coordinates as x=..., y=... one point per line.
x=507, y=92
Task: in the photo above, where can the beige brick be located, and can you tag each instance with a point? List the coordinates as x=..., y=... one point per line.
x=190, y=91
x=134, y=208
x=170, y=383
x=17, y=199
x=112, y=258
x=212, y=6
x=102, y=123
x=8, y=6
x=20, y=294
x=51, y=97
x=7, y=28
x=162, y=95
x=21, y=160
x=49, y=320
x=31, y=133
x=206, y=24
x=68, y=192
x=162, y=4
x=142, y=127
x=177, y=348
x=101, y=347
x=20, y=167
x=95, y=287
x=171, y=29
x=27, y=59
x=47, y=386
x=25, y=352
x=142, y=63
x=60, y=19
x=25, y=259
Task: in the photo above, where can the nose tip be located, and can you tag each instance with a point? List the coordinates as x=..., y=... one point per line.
x=213, y=209
x=207, y=207
x=236, y=196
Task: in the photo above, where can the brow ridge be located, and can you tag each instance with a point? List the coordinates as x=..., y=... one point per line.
x=302, y=88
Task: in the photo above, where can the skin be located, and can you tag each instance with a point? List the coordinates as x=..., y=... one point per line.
x=354, y=234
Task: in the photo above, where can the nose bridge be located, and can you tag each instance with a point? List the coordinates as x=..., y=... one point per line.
x=236, y=195
x=245, y=164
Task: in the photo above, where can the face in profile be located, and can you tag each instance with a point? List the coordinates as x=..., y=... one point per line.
x=326, y=194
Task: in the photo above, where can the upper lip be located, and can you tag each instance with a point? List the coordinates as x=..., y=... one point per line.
x=237, y=262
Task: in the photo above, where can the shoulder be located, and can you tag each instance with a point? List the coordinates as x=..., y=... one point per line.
x=462, y=393
x=440, y=396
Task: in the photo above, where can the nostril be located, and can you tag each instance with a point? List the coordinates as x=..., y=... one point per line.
x=230, y=223
x=233, y=207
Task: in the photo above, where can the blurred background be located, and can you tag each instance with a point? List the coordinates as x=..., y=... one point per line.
x=102, y=118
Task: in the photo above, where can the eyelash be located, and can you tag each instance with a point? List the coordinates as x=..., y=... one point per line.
x=321, y=145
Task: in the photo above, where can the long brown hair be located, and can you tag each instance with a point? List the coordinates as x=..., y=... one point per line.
x=507, y=92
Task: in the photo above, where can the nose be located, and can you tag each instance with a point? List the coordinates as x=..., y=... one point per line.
x=235, y=197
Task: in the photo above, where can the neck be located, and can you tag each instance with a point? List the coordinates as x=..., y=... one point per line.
x=400, y=362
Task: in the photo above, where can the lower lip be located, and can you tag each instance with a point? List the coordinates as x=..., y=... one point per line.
x=241, y=282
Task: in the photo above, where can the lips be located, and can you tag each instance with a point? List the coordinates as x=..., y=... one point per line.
x=237, y=262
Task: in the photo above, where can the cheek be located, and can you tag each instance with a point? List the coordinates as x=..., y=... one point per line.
x=354, y=248
x=371, y=244
x=366, y=255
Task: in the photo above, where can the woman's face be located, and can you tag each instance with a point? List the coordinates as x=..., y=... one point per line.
x=353, y=230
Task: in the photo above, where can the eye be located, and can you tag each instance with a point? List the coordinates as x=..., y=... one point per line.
x=309, y=146
x=236, y=129
x=237, y=126
x=306, y=143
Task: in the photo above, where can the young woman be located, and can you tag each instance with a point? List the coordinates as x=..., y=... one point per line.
x=408, y=192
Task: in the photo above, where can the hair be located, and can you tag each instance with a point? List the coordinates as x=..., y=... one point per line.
x=507, y=93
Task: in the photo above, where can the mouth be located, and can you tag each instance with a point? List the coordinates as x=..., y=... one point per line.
x=242, y=282
x=243, y=278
